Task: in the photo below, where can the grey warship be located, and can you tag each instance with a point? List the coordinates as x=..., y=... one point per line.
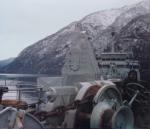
x=93, y=92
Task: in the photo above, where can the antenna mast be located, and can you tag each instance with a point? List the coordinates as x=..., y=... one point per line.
x=113, y=41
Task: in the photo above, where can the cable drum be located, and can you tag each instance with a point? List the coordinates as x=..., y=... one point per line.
x=105, y=117
x=109, y=94
x=123, y=118
x=98, y=113
x=98, y=91
x=11, y=118
x=108, y=112
x=87, y=89
x=84, y=101
x=106, y=101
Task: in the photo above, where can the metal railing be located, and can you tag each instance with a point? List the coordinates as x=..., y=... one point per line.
x=27, y=92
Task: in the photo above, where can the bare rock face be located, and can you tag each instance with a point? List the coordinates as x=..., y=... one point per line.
x=48, y=55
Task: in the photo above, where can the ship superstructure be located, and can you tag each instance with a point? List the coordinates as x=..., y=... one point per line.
x=80, y=63
x=117, y=65
x=83, y=64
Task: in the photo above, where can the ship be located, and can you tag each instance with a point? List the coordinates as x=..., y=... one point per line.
x=94, y=91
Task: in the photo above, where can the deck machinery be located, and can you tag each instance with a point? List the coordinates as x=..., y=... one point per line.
x=96, y=104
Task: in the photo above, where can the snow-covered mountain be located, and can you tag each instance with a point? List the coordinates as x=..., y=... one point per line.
x=48, y=55
x=132, y=12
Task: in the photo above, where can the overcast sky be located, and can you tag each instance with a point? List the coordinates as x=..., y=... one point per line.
x=23, y=22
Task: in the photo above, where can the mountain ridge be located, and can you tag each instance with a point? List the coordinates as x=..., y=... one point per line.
x=48, y=55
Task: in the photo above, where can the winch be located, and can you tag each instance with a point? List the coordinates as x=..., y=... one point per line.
x=96, y=104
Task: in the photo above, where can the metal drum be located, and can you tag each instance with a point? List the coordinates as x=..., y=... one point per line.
x=11, y=118
x=108, y=111
x=109, y=94
x=101, y=115
x=92, y=88
x=84, y=100
x=86, y=91
x=123, y=118
x=107, y=100
x=105, y=117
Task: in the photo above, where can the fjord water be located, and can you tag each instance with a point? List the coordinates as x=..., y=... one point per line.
x=11, y=80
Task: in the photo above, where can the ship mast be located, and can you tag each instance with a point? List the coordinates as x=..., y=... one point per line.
x=113, y=41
